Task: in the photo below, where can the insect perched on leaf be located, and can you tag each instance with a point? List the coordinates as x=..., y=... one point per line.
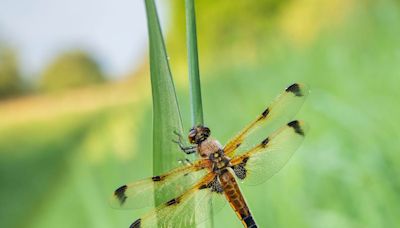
x=187, y=190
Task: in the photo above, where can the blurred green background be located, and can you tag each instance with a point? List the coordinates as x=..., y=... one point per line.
x=65, y=145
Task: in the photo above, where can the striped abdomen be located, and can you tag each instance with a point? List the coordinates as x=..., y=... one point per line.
x=236, y=199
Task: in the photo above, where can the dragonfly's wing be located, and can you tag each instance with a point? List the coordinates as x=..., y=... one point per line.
x=264, y=160
x=280, y=111
x=141, y=193
x=188, y=208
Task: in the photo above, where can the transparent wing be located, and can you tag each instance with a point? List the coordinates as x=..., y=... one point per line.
x=267, y=158
x=188, y=208
x=141, y=193
x=280, y=111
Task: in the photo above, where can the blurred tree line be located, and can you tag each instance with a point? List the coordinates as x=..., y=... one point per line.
x=10, y=77
x=70, y=69
x=242, y=33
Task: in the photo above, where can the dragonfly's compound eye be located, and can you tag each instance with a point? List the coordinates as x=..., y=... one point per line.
x=207, y=131
x=192, y=135
x=203, y=133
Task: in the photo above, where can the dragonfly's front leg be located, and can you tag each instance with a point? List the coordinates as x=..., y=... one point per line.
x=185, y=149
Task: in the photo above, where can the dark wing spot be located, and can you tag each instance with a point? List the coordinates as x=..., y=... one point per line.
x=156, y=178
x=264, y=114
x=295, y=89
x=237, y=145
x=245, y=160
x=136, y=224
x=120, y=194
x=203, y=186
x=172, y=202
x=296, y=126
x=240, y=171
x=265, y=142
x=215, y=186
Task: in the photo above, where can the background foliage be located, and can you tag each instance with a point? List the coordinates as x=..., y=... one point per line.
x=10, y=78
x=73, y=68
x=60, y=159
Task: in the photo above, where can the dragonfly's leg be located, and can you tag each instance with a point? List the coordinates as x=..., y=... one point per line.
x=179, y=136
x=185, y=149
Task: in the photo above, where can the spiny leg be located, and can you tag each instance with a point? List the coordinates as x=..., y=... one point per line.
x=185, y=149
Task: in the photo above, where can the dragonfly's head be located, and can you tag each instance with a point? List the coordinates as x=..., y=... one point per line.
x=198, y=134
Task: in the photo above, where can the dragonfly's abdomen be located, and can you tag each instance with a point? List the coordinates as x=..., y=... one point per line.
x=236, y=199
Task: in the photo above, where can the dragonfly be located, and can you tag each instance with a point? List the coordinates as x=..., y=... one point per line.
x=212, y=180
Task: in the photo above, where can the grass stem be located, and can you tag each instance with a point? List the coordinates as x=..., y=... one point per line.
x=193, y=64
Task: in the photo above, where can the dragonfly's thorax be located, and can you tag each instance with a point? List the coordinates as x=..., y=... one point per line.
x=219, y=160
x=208, y=147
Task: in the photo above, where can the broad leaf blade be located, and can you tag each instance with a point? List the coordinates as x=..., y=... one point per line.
x=166, y=115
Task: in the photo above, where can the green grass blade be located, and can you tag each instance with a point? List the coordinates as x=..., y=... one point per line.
x=194, y=78
x=166, y=115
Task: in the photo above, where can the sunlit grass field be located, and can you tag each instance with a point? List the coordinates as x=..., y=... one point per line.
x=59, y=171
